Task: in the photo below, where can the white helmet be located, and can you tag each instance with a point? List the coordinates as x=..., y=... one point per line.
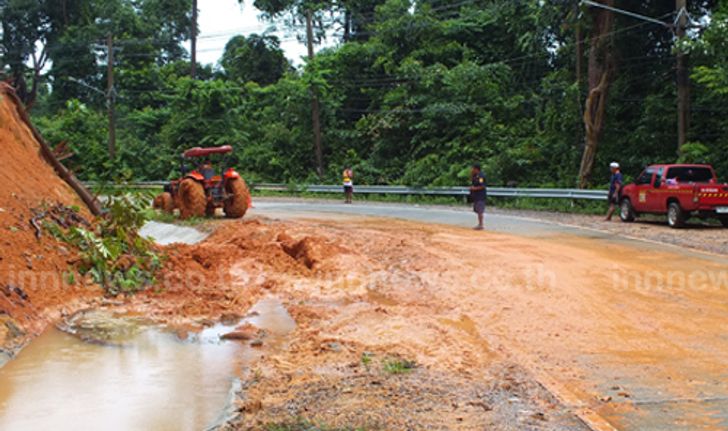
x=614, y=165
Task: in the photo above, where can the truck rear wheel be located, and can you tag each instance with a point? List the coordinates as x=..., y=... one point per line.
x=626, y=211
x=192, y=200
x=724, y=221
x=237, y=204
x=675, y=215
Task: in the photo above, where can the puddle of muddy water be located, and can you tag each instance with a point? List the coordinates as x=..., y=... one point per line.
x=146, y=379
x=155, y=382
x=270, y=315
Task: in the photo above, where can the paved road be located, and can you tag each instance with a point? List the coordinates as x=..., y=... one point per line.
x=666, y=346
x=503, y=223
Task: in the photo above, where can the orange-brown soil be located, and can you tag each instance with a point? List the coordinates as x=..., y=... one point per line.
x=364, y=297
x=504, y=332
x=32, y=288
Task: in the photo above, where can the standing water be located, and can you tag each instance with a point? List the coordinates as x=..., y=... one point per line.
x=150, y=380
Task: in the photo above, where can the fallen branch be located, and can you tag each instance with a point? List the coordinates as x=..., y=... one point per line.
x=62, y=215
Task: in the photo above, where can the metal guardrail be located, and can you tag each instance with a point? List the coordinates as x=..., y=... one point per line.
x=405, y=190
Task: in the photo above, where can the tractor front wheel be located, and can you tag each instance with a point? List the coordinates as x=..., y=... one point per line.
x=164, y=202
x=192, y=200
x=237, y=203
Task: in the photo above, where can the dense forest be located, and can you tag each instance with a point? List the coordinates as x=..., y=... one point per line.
x=412, y=92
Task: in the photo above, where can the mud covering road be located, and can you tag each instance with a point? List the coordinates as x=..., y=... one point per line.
x=427, y=324
x=699, y=236
x=410, y=325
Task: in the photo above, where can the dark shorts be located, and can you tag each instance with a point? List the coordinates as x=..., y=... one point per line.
x=613, y=199
x=479, y=207
x=348, y=189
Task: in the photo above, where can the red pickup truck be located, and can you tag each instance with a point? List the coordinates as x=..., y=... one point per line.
x=680, y=191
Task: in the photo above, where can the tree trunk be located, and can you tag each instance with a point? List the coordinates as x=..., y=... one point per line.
x=601, y=63
x=47, y=154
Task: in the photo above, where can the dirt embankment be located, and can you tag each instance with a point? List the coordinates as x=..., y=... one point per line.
x=32, y=287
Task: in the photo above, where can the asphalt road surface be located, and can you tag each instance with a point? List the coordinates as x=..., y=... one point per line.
x=501, y=223
x=644, y=351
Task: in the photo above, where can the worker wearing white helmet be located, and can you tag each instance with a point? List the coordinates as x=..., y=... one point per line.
x=615, y=189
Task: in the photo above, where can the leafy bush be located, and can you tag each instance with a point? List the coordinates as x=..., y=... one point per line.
x=112, y=252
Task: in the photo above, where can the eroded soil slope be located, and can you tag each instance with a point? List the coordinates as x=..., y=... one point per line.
x=31, y=268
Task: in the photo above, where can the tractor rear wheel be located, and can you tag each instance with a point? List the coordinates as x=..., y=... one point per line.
x=192, y=200
x=164, y=202
x=237, y=204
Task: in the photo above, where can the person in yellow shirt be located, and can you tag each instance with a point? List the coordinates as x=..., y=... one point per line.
x=348, y=177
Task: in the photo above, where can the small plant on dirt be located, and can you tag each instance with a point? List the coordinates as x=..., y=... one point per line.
x=366, y=359
x=399, y=366
x=111, y=251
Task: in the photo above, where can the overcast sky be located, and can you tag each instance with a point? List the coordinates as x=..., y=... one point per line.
x=219, y=20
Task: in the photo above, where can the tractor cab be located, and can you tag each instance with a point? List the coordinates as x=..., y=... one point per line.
x=202, y=159
x=212, y=183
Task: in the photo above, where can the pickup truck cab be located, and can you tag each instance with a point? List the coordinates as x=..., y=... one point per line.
x=679, y=191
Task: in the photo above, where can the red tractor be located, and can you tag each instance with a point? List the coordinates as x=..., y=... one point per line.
x=202, y=190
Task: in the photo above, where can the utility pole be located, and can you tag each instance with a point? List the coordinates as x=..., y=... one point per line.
x=111, y=95
x=683, y=79
x=193, y=48
x=315, y=109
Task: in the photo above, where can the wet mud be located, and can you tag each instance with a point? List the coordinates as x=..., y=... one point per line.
x=398, y=325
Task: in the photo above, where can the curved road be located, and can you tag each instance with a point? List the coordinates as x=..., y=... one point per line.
x=649, y=357
x=501, y=223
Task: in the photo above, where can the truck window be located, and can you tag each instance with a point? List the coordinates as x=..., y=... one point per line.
x=645, y=177
x=690, y=174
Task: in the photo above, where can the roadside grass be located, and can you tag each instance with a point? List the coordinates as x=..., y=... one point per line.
x=399, y=366
x=304, y=425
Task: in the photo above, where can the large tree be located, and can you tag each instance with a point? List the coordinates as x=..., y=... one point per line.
x=257, y=58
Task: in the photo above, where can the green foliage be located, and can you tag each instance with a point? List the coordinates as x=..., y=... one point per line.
x=399, y=366
x=112, y=252
x=693, y=152
x=366, y=359
x=414, y=94
x=254, y=58
x=84, y=130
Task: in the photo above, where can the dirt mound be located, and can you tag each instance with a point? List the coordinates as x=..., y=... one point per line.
x=238, y=261
x=31, y=268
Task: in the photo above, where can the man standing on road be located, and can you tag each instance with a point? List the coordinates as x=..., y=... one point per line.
x=348, y=177
x=478, y=193
x=615, y=189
